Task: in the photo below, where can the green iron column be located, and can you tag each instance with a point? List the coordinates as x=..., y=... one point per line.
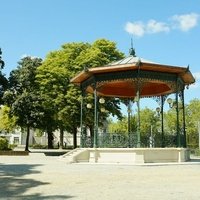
x=129, y=123
x=95, y=119
x=160, y=112
x=138, y=122
x=162, y=122
x=139, y=84
x=81, y=122
x=184, y=126
x=177, y=122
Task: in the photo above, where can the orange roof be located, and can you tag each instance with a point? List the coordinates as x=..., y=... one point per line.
x=138, y=68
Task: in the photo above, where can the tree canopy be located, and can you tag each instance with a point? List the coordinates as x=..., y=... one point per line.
x=63, y=98
x=22, y=96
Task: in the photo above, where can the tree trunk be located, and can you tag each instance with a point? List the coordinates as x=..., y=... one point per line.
x=50, y=139
x=61, y=138
x=91, y=128
x=75, y=138
x=27, y=138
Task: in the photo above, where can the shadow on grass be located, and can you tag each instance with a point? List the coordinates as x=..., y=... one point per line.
x=13, y=185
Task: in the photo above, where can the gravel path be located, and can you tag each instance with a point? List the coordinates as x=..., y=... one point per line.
x=46, y=177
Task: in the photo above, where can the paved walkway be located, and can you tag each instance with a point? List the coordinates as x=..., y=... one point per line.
x=45, y=177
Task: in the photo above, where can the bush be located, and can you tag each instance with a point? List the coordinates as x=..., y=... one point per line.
x=3, y=144
x=12, y=146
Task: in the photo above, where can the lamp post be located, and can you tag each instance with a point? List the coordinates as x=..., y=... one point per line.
x=160, y=113
x=101, y=101
x=102, y=108
x=137, y=100
x=129, y=123
x=175, y=105
x=81, y=122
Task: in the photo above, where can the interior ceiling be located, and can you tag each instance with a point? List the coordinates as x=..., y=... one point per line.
x=129, y=89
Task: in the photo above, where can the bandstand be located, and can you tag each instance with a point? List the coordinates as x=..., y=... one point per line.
x=135, y=78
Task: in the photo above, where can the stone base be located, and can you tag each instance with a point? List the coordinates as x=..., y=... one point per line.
x=131, y=155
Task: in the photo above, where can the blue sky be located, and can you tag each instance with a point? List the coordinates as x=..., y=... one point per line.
x=167, y=32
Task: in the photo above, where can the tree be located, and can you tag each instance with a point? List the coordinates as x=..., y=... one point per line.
x=3, y=79
x=7, y=123
x=54, y=75
x=61, y=97
x=23, y=98
x=150, y=123
x=119, y=127
x=3, y=86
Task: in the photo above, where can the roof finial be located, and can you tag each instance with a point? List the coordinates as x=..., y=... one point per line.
x=132, y=50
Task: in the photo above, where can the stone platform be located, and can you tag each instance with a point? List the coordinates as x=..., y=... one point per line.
x=127, y=155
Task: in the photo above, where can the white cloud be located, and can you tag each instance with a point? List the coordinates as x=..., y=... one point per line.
x=155, y=27
x=181, y=22
x=26, y=55
x=135, y=28
x=152, y=26
x=185, y=22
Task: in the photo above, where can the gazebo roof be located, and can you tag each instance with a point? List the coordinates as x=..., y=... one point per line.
x=123, y=78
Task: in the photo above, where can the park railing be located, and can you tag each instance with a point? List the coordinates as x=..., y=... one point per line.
x=124, y=140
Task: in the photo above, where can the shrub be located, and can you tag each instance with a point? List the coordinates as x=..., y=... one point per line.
x=3, y=144
x=12, y=146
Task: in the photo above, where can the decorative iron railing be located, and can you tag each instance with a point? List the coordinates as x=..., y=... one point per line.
x=117, y=140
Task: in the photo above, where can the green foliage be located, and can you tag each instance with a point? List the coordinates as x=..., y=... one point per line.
x=61, y=98
x=28, y=110
x=119, y=126
x=11, y=146
x=22, y=96
x=7, y=123
x=193, y=122
x=3, y=86
x=39, y=132
x=149, y=120
x=3, y=144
